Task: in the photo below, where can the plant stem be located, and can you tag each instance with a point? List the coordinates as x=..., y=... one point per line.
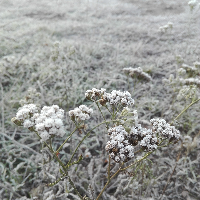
x=186, y=109
x=84, y=139
x=72, y=184
x=101, y=113
x=108, y=181
x=65, y=141
x=137, y=161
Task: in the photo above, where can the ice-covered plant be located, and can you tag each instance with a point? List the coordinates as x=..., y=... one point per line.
x=127, y=138
x=137, y=73
x=165, y=28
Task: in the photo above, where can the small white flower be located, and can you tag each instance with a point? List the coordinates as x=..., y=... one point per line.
x=58, y=123
x=44, y=135
x=117, y=159
x=40, y=127
x=81, y=113
x=27, y=123
x=48, y=122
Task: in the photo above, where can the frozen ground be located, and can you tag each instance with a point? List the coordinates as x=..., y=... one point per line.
x=105, y=37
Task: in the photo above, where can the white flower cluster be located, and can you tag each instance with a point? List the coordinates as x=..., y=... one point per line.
x=119, y=147
x=193, y=4
x=166, y=27
x=196, y=64
x=118, y=97
x=189, y=68
x=47, y=123
x=121, y=144
x=161, y=127
x=149, y=143
x=80, y=113
x=25, y=113
x=95, y=94
x=113, y=98
x=190, y=81
x=146, y=137
x=137, y=72
x=181, y=71
x=187, y=92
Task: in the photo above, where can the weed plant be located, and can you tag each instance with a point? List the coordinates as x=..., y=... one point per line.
x=52, y=52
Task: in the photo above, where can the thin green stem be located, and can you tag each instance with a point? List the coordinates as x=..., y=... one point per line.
x=52, y=151
x=84, y=139
x=103, y=189
x=75, y=189
x=108, y=181
x=65, y=141
x=101, y=113
x=185, y=109
x=113, y=114
x=50, y=144
x=137, y=161
x=108, y=109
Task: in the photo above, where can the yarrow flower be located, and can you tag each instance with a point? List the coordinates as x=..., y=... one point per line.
x=190, y=81
x=192, y=4
x=187, y=92
x=118, y=97
x=114, y=98
x=166, y=27
x=137, y=72
x=121, y=144
x=95, y=94
x=119, y=147
x=188, y=68
x=147, y=138
x=81, y=113
x=47, y=123
x=24, y=114
x=165, y=130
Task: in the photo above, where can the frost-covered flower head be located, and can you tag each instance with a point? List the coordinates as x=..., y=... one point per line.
x=137, y=72
x=121, y=144
x=166, y=27
x=119, y=147
x=196, y=64
x=49, y=122
x=25, y=113
x=113, y=98
x=190, y=81
x=80, y=113
x=187, y=91
x=146, y=137
x=120, y=98
x=165, y=130
x=192, y=4
x=95, y=94
x=189, y=68
x=181, y=71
